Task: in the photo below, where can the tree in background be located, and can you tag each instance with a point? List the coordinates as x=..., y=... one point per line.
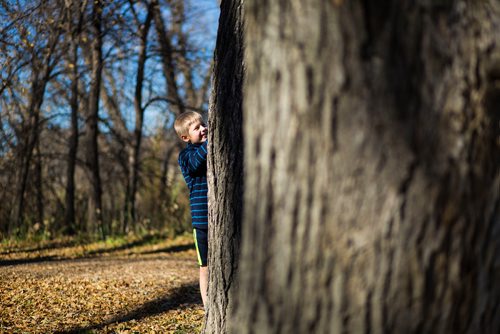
x=82, y=133
x=371, y=167
x=35, y=44
x=94, y=217
x=74, y=24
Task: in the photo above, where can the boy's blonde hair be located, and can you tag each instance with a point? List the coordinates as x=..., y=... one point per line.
x=184, y=121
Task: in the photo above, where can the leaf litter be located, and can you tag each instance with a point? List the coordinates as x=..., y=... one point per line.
x=134, y=287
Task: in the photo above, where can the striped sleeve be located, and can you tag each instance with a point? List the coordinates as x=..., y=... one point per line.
x=195, y=158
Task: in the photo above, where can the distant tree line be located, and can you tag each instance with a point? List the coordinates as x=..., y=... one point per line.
x=78, y=78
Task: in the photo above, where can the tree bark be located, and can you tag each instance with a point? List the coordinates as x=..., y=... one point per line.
x=139, y=118
x=225, y=167
x=74, y=13
x=95, y=199
x=372, y=168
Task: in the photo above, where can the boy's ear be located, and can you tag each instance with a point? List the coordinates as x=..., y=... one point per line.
x=185, y=138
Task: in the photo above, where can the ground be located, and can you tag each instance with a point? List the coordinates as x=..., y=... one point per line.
x=146, y=285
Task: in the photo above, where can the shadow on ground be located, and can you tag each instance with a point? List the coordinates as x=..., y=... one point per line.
x=184, y=295
x=72, y=243
x=171, y=249
x=15, y=262
x=90, y=254
x=53, y=245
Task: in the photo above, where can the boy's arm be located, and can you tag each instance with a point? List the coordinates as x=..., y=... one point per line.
x=196, y=158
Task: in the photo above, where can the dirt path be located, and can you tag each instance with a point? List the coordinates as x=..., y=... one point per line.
x=143, y=289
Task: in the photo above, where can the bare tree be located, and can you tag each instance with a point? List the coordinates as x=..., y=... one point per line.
x=42, y=63
x=372, y=168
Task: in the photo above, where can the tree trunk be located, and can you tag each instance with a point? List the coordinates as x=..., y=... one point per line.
x=139, y=118
x=182, y=59
x=95, y=199
x=39, y=186
x=372, y=167
x=74, y=12
x=225, y=166
x=164, y=173
x=166, y=50
x=42, y=69
x=69, y=220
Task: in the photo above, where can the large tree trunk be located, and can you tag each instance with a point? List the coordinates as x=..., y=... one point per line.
x=95, y=199
x=372, y=167
x=225, y=166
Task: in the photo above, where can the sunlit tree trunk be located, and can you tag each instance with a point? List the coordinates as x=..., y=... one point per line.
x=372, y=167
x=225, y=167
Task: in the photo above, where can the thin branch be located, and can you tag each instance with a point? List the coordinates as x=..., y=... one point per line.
x=170, y=101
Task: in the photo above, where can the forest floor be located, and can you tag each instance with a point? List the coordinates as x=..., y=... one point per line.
x=145, y=285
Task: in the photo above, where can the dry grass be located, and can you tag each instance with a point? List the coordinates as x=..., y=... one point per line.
x=136, y=286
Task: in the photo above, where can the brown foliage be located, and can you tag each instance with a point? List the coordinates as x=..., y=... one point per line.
x=132, y=287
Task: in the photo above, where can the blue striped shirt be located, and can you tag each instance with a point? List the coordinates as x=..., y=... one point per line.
x=193, y=163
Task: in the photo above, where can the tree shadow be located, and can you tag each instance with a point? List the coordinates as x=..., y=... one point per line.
x=141, y=242
x=170, y=249
x=53, y=245
x=89, y=254
x=72, y=243
x=185, y=295
x=15, y=262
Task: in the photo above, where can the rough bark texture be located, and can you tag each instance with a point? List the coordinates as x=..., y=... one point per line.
x=225, y=166
x=372, y=167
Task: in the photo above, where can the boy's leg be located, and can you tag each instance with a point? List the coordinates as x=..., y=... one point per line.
x=201, y=243
x=204, y=285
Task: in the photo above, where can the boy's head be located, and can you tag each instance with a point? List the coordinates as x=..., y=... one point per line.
x=190, y=127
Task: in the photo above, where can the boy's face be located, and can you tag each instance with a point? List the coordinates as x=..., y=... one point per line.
x=197, y=133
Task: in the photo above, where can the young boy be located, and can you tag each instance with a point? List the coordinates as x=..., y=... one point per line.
x=193, y=162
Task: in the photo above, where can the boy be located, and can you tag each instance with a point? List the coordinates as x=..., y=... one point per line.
x=191, y=129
